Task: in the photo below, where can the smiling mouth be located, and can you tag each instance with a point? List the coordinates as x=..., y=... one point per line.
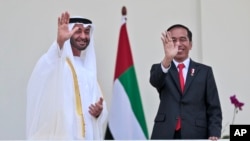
x=82, y=43
x=180, y=50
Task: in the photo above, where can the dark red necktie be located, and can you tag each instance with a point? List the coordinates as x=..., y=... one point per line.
x=182, y=83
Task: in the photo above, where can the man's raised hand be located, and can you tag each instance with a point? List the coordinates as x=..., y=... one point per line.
x=63, y=32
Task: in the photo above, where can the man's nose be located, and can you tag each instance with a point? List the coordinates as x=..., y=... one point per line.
x=177, y=43
x=83, y=35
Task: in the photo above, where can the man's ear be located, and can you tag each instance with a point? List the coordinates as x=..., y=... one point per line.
x=191, y=45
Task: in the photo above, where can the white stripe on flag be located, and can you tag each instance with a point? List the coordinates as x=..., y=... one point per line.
x=122, y=121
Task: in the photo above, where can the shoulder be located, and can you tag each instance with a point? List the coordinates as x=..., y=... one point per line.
x=200, y=65
x=156, y=65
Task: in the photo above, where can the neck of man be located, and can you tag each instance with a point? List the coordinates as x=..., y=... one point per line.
x=76, y=52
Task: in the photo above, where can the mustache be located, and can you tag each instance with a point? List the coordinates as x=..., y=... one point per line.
x=82, y=39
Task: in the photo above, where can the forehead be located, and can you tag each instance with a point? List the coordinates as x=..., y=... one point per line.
x=81, y=26
x=178, y=31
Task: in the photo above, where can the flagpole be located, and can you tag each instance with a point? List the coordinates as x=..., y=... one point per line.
x=124, y=13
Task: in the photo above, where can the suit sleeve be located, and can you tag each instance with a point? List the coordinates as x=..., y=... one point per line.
x=214, y=111
x=157, y=76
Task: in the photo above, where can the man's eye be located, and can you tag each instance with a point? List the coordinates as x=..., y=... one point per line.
x=79, y=31
x=87, y=31
x=183, y=39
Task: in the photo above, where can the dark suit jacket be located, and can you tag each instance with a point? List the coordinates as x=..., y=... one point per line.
x=198, y=107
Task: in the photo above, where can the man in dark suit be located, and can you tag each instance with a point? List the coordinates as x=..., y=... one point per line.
x=187, y=110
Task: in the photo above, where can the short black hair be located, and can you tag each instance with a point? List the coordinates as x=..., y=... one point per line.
x=182, y=26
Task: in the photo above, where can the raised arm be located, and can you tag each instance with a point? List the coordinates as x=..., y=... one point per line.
x=63, y=32
x=170, y=49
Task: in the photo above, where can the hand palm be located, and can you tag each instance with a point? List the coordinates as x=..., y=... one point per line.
x=170, y=49
x=63, y=32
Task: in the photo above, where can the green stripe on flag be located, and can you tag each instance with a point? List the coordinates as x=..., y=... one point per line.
x=129, y=82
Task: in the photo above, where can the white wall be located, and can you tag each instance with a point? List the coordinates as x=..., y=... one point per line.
x=28, y=28
x=225, y=45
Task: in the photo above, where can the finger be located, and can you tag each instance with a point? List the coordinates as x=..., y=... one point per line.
x=74, y=30
x=163, y=34
x=67, y=17
x=163, y=37
x=58, y=21
x=100, y=101
x=169, y=37
x=92, y=109
x=61, y=18
x=92, y=113
x=213, y=138
x=166, y=35
x=97, y=111
x=98, y=104
x=163, y=41
x=98, y=107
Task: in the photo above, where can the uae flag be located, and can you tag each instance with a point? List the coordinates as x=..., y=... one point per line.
x=126, y=117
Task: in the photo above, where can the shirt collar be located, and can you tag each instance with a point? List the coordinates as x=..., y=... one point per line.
x=185, y=62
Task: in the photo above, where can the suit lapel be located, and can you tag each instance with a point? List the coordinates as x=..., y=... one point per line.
x=191, y=74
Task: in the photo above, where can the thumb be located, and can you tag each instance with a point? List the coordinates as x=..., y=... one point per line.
x=100, y=100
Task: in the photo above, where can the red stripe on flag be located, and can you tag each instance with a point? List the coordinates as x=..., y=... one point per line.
x=124, y=56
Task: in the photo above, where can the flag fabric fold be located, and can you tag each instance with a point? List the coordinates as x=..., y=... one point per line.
x=126, y=117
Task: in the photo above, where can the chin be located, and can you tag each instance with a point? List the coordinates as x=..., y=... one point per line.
x=82, y=48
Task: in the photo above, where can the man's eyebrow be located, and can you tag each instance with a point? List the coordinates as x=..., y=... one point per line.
x=180, y=37
x=88, y=27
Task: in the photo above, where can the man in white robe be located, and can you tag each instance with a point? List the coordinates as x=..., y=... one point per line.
x=64, y=100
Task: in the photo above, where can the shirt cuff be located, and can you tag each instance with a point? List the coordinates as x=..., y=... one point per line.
x=165, y=70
